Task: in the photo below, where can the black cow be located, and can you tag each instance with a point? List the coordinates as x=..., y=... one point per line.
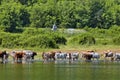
x=4, y=56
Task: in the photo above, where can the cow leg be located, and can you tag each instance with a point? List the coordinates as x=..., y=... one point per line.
x=3, y=59
x=112, y=59
x=89, y=58
x=54, y=58
x=15, y=59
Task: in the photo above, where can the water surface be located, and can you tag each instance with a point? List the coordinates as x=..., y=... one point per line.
x=60, y=71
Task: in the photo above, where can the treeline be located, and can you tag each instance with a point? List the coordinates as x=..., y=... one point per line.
x=17, y=14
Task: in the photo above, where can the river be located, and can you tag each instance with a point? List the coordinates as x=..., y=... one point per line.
x=61, y=71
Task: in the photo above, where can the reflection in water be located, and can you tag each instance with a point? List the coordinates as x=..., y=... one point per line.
x=60, y=71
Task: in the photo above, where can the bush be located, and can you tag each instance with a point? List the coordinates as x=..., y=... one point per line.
x=30, y=31
x=40, y=41
x=87, y=40
x=10, y=41
x=36, y=31
x=0, y=41
x=59, y=39
x=116, y=40
x=84, y=39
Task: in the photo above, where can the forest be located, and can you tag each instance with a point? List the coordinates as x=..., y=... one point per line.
x=26, y=22
x=65, y=13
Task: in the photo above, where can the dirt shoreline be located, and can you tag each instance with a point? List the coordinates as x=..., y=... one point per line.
x=100, y=51
x=76, y=50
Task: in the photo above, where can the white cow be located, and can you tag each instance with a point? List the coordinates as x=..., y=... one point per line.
x=75, y=56
x=117, y=56
x=60, y=55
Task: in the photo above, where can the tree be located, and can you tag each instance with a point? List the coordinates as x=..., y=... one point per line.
x=13, y=15
x=28, y=2
x=9, y=18
x=24, y=16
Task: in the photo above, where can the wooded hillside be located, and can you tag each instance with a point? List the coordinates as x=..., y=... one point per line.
x=16, y=14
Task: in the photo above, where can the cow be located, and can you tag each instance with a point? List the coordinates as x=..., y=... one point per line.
x=60, y=55
x=109, y=54
x=87, y=56
x=17, y=56
x=29, y=55
x=75, y=56
x=91, y=55
x=48, y=56
x=117, y=56
x=4, y=56
x=69, y=56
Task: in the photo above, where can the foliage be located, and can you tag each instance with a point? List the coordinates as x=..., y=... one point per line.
x=0, y=41
x=59, y=39
x=40, y=41
x=66, y=14
x=30, y=20
x=83, y=39
x=18, y=40
x=32, y=38
x=13, y=15
x=10, y=41
x=116, y=40
x=42, y=38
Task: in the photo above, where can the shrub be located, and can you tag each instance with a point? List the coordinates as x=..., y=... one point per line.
x=87, y=40
x=36, y=31
x=0, y=41
x=31, y=31
x=59, y=39
x=84, y=39
x=116, y=40
x=40, y=41
x=10, y=41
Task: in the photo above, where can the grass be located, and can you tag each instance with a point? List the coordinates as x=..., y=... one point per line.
x=102, y=42
x=98, y=48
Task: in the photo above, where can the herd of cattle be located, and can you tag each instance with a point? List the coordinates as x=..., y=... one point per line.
x=28, y=55
x=18, y=56
x=86, y=55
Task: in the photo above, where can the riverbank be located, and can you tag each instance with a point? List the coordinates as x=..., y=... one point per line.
x=97, y=48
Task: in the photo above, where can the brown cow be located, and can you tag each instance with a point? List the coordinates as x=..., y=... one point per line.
x=109, y=54
x=91, y=55
x=17, y=56
x=87, y=55
x=4, y=56
x=48, y=56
